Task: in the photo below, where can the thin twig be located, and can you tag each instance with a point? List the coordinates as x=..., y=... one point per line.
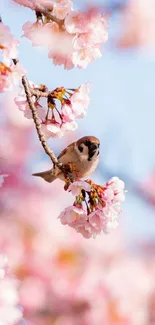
x=40, y=93
x=41, y=136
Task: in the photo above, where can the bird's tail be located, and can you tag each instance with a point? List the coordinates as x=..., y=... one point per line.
x=48, y=175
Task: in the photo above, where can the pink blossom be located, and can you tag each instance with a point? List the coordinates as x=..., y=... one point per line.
x=49, y=35
x=102, y=221
x=61, y=48
x=76, y=106
x=78, y=43
x=90, y=30
x=101, y=215
x=117, y=186
x=77, y=22
x=92, y=39
x=23, y=105
x=59, y=59
x=57, y=125
x=52, y=130
x=5, y=73
x=85, y=56
x=69, y=126
x=36, y=33
x=10, y=75
x=16, y=74
x=84, y=230
x=4, y=83
x=67, y=112
x=72, y=216
x=80, y=100
x=76, y=187
x=97, y=220
x=62, y=8
x=8, y=44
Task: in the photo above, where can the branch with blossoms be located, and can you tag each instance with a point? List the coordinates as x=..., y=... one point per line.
x=73, y=39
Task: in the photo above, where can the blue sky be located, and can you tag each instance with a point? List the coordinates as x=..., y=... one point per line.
x=121, y=113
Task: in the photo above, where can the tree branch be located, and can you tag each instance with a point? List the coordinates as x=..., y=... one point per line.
x=41, y=136
x=40, y=93
x=33, y=109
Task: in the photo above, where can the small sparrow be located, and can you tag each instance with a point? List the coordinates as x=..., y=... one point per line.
x=84, y=154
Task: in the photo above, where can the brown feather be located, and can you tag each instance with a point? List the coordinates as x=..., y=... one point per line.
x=89, y=138
x=47, y=175
x=65, y=150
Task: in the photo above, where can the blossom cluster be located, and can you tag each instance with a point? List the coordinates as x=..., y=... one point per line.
x=9, y=72
x=64, y=106
x=10, y=313
x=96, y=208
x=73, y=38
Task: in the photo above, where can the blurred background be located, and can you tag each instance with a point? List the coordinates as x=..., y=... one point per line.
x=64, y=278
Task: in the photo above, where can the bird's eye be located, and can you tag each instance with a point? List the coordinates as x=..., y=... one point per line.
x=80, y=148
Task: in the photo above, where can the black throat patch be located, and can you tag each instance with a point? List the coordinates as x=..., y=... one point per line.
x=92, y=148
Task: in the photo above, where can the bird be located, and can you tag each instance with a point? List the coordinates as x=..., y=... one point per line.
x=83, y=153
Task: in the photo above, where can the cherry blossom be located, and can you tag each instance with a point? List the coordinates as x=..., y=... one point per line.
x=96, y=208
x=52, y=129
x=77, y=104
x=23, y=106
x=69, y=126
x=5, y=72
x=72, y=216
x=77, y=22
x=10, y=76
x=77, y=186
x=8, y=44
x=80, y=101
x=85, y=56
x=73, y=39
x=62, y=8
x=56, y=122
x=9, y=73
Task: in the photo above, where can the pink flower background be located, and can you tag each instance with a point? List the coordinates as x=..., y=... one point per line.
x=52, y=274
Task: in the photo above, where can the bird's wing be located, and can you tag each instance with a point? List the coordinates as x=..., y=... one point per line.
x=63, y=152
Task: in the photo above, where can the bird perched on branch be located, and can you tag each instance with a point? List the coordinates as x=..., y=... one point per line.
x=83, y=154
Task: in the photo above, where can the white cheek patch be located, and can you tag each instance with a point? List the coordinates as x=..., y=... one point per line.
x=84, y=153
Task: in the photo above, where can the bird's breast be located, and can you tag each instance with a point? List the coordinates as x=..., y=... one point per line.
x=84, y=167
